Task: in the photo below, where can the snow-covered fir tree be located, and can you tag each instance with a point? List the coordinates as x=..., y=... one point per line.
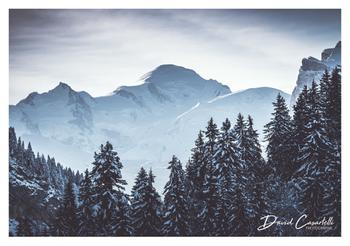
x=300, y=118
x=278, y=134
x=333, y=107
x=258, y=204
x=86, y=219
x=324, y=87
x=12, y=142
x=210, y=196
x=175, y=221
x=241, y=198
x=67, y=221
x=111, y=204
x=195, y=171
x=155, y=206
x=145, y=206
x=225, y=157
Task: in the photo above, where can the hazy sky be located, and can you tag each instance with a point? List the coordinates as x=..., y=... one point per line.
x=99, y=50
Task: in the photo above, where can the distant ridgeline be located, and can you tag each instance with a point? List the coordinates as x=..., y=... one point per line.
x=226, y=188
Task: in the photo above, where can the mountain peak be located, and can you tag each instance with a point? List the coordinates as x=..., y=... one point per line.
x=171, y=68
x=61, y=89
x=62, y=85
x=170, y=73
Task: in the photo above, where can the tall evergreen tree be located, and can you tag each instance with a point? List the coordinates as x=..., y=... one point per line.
x=333, y=107
x=155, y=207
x=139, y=205
x=257, y=177
x=112, y=215
x=195, y=172
x=175, y=201
x=86, y=213
x=278, y=134
x=195, y=169
x=12, y=142
x=241, y=198
x=300, y=119
x=210, y=195
x=225, y=158
x=66, y=222
x=145, y=206
x=240, y=133
x=211, y=133
x=254, y=152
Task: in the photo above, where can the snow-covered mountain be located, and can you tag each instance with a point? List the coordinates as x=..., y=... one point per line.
x=147, y=123
x=313, y=68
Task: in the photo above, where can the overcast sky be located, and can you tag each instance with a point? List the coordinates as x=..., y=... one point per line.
x=100, y=50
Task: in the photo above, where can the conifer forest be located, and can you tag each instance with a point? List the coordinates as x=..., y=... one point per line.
x=229, y=186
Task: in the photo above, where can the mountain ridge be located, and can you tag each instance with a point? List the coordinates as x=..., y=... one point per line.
x=146, y=123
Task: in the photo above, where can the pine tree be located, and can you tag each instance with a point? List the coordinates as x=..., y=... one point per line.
x=278, y=134
x=333, y=108
x=138, y=204
x=29, y=160
x=24, y=228
x=66, y=222
x=210, y=195
x=241, y=198
x=225, y=158
x=145, y=206
x=195, y=172
x=195, y=168
x=12, y=142
x=211, y=133
x=175, y=202
x=254, y=152
x=257, y=176
x=86, y=213
x=155, y=207
x=112, y=204
x=240, y=135
x=324, y=90
x=20, y=150
x=300, y=119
